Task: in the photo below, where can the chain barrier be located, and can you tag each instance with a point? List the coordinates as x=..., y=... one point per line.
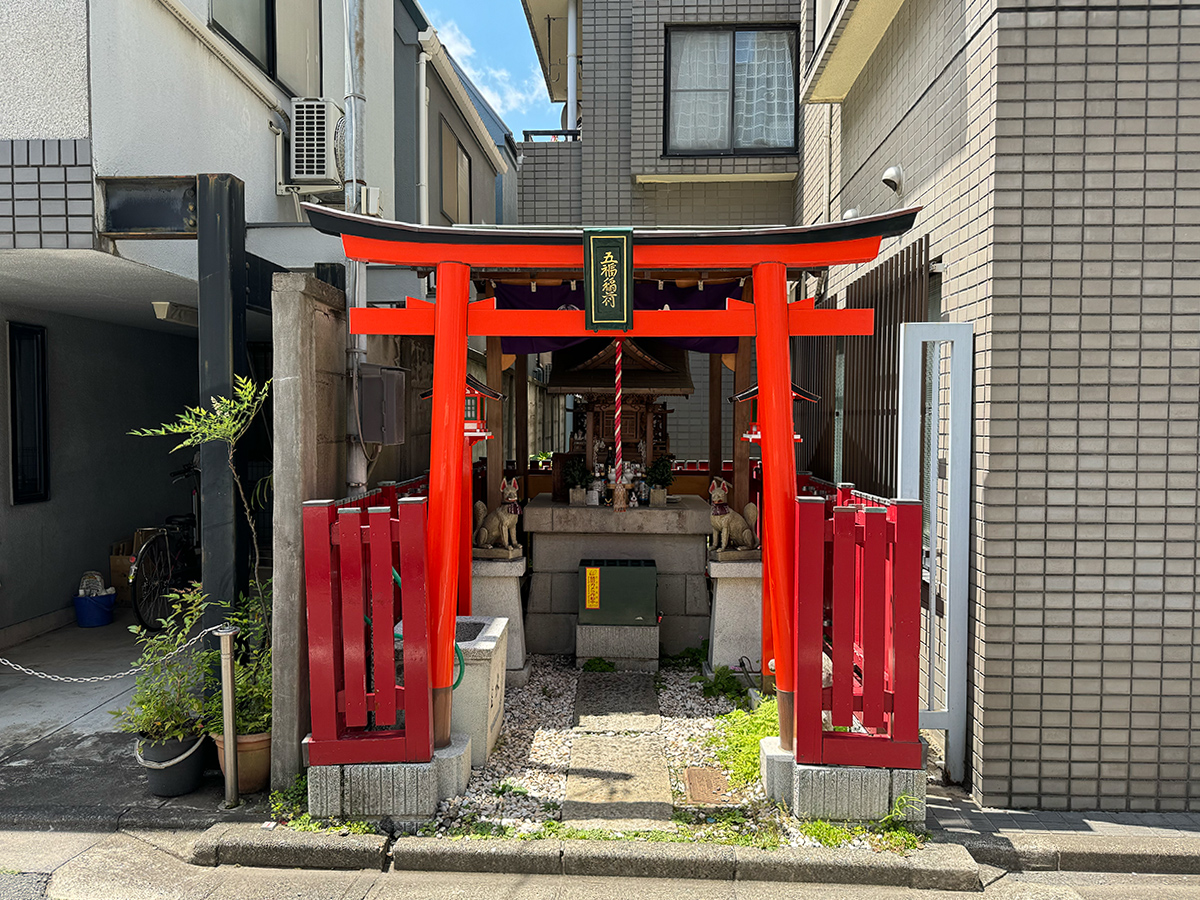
x=95, y=678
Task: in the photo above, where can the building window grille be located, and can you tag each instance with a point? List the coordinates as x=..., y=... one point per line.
x=28, y=400
x=731, y=91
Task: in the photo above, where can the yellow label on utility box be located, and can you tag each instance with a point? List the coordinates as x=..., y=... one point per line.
x=592, y=597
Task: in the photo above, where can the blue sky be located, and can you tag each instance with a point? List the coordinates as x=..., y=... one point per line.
x=490, y=39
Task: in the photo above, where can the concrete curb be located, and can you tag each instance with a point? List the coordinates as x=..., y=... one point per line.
x=946, y=867
x=1042, y=852
x=282, y=848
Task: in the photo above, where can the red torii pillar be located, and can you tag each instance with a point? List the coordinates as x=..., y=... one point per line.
x=446, y=471
x=779, y=476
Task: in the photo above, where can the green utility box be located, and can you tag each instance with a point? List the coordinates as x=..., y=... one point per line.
x=618, y=592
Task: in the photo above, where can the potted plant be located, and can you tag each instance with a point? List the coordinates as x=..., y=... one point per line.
x=251, y=692
x=167, y=707
x=659, y=476
x=577, y=477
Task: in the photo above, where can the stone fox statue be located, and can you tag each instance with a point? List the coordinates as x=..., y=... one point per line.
x=730, y=531
x=498, y=527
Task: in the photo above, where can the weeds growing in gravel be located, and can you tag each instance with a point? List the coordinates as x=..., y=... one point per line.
x=597, y=664
x=724, y=683
x=290, y=807
x=736, y=738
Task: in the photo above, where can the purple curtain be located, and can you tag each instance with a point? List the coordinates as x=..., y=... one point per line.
x=646, y=295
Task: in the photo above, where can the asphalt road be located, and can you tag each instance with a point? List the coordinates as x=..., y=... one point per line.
x=147, y=866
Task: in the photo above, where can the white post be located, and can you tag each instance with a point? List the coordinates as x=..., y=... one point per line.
x=960, y=337
x=572, y=64
x=356, y=351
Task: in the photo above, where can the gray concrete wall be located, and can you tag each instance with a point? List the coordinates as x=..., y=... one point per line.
x=44, y=91
x=550, y=183
x=104, y=380
x=309, y=340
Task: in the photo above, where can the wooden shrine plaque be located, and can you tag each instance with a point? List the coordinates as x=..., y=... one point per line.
x=608, y=278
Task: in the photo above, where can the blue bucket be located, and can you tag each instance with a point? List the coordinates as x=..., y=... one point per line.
x=92, y=612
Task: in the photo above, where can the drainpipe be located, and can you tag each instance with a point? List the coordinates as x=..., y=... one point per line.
x=356, y=351
x=572, y=64
x=423, y=135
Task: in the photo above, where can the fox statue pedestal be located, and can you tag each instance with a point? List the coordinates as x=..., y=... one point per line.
x=736, y=629
x=496, y=591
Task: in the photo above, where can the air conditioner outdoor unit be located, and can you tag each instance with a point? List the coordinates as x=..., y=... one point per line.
x=315, y=136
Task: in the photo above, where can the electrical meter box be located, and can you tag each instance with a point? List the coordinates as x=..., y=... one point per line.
x=618, y=592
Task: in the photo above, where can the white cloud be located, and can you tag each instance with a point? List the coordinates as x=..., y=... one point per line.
x=502, y=90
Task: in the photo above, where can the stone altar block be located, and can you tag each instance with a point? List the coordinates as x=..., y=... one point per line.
x=675, y=537
x=736, y=629
x=496, y=591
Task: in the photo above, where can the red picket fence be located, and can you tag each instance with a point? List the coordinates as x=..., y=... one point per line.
x=858, y=601
x=363, y=711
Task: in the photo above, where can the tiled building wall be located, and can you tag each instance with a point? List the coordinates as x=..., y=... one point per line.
x=607, y=87
x=718, y=203
x=549, y=183
x=924, y=101
x=1092, y=491
x=46, y=194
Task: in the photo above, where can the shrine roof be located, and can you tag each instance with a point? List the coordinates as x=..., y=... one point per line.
x=339, y=223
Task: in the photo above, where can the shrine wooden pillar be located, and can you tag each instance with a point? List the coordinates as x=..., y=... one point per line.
x=444, y=533
x=521, y=419
x=715, y=454
x=779, y=476
x=495, y=424
x=741, y=418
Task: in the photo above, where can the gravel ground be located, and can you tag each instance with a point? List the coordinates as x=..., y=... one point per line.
x=524, y=782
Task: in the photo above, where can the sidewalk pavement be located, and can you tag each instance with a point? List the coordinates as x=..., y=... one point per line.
x=62, y=768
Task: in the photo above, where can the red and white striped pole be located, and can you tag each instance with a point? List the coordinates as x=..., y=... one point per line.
x=617, y=415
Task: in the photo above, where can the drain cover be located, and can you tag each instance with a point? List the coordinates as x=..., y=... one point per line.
x=705, y=785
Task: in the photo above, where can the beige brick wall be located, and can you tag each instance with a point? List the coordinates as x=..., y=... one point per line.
x=1055, y=153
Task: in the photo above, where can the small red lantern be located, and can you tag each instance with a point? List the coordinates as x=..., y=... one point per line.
x=754, y=433
x=474, y=408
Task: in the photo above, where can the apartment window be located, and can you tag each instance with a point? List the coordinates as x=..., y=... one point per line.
x=27, y=403
x=456, y=177
x=282, y=37
x=730, y=91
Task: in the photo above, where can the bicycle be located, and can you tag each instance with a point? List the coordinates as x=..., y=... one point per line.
x=168, y=561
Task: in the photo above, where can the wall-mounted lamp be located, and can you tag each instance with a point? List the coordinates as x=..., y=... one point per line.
x=894, y=178
x=850, y=214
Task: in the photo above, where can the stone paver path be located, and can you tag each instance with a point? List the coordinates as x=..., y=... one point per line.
x=949, y=809
x=616, y=701
x=618, y=774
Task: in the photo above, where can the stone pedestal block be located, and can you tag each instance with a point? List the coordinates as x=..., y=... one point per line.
x=496, y=591
x=775, y=767
x=631, y=648
x=855, y=793
x=477, y=706
x=402, y=791
x=736, y=624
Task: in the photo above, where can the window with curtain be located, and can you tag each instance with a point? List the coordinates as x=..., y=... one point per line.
x=731, y=91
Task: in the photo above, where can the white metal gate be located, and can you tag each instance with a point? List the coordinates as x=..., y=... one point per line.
x=946, y=652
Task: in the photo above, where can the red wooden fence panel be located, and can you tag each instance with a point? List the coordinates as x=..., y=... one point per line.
x=350, y=550
x=858, y=595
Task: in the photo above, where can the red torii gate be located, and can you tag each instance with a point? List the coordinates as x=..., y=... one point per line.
x=766, y=254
